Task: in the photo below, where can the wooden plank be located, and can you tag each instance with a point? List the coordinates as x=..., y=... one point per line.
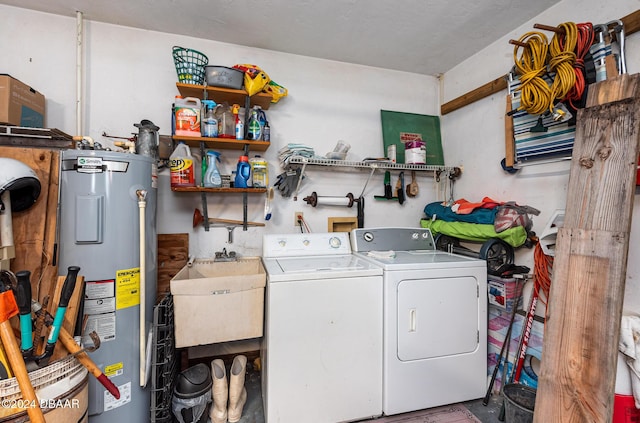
x=578, y=366
x=29, y=225
x=631, y=24
x=479, y=93
x=173, y=254
x=509, y=141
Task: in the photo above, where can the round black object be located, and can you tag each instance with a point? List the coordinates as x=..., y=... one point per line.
x=23, y=192
x=193, y=382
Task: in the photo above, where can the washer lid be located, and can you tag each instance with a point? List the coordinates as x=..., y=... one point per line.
x=319, y=267
x=423, y=259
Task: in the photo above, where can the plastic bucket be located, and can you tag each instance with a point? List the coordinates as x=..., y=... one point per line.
x=519, y=403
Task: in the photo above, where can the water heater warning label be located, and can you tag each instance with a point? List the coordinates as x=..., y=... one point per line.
x=110, y=402
x=127, y=288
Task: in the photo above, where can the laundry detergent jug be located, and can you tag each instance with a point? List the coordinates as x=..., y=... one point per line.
x=182, y=167
x=243, y=173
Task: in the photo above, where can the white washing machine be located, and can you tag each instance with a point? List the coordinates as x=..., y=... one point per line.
x=322, y=344
x=435, y=319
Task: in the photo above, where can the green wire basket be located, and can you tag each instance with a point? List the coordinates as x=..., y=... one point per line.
x=189, y=65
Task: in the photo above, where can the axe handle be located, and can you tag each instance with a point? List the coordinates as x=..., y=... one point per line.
x=20, y=370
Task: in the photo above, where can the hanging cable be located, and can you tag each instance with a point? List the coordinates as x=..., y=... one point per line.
x=542, y=265
x=584, y=40
x=535, y=94
x=562, y=60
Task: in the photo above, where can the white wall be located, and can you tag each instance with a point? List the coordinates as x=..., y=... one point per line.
x=130, y=76
x=474, y=135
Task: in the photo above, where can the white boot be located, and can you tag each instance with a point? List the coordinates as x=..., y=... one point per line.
x=220, y=392
x=237, y=392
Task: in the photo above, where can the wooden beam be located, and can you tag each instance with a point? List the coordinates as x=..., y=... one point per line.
x=631, y=24
x=578, y=366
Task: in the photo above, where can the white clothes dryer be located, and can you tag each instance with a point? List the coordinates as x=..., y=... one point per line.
x=322, y=345
x=435, y=319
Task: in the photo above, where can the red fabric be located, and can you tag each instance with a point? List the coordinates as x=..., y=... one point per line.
x=8, y=306
x=463, y=206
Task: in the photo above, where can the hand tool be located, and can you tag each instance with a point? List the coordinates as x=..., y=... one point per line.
x=71, y=346
x=506, y=341
x=8, y=309
x=40, y=311
x=400, y=188
x=23, y=299
x=58, y=320
x=388, y=193
x=412, y=188
x=5, y=369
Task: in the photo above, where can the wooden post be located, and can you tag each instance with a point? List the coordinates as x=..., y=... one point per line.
x=579, y=355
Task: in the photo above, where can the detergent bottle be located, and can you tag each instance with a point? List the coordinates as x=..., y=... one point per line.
x=243, y=173
x=212, y=178
x=259, y=172
x=187, y=116
x=182, y=167
x=254, y=130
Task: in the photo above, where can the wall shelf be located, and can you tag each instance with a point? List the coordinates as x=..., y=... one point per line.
x=371, y=164
x=220, y=190
x=220, y=95
x=223, y=143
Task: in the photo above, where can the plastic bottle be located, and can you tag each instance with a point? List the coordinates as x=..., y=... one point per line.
x=209, y=121
x=259, y=172
x=239, y=122
x=266, y=133
x=212, y=177
x=181, y=167
x=243, y=173
x=254, y=130
x=226, y=121
x=187, y=116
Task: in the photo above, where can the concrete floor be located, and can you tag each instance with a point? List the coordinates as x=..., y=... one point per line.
x=254, y=413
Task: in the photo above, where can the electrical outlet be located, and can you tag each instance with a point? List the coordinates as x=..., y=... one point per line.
x=296, y=217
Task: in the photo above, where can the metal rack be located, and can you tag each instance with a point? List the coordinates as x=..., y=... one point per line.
x=451, y=172
x=164, y=364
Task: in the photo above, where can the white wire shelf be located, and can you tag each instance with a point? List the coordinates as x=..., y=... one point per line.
x=369, y=164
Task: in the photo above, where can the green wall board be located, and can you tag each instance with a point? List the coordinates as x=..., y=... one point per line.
x=398, y=125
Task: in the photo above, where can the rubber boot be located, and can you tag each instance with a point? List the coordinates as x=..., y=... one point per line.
x=237, y=392
x=220, y=392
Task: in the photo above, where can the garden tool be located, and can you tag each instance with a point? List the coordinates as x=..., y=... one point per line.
x=23, y=299
x=58, y=320
x=400, y=188
x=8, y=309
x=388, y=193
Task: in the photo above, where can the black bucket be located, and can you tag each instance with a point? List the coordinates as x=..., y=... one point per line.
x=519, y=403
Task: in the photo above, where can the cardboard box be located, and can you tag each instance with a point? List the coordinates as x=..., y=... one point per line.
x=20, y=105
x=218, y=301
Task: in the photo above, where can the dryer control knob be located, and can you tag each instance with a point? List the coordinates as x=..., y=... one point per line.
x=335, y=242
x=368, y=236
x=415, y=235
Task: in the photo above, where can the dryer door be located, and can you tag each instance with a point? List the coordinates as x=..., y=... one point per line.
x=437, y=317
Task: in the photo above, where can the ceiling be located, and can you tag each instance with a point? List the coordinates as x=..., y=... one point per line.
x=420, y=36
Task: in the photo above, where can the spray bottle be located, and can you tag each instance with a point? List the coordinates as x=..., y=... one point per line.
x=212, y=178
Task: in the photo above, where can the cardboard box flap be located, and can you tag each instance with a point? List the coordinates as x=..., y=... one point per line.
x=206, y=277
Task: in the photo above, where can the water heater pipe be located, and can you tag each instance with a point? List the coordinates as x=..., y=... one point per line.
x=142, y=204
x=79, y=72
x=7, y=248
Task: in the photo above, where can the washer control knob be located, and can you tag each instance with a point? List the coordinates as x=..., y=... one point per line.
x=367, y=236
x=335, y=242
x=415, y=235
x=282, y=243
x=305, y=242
